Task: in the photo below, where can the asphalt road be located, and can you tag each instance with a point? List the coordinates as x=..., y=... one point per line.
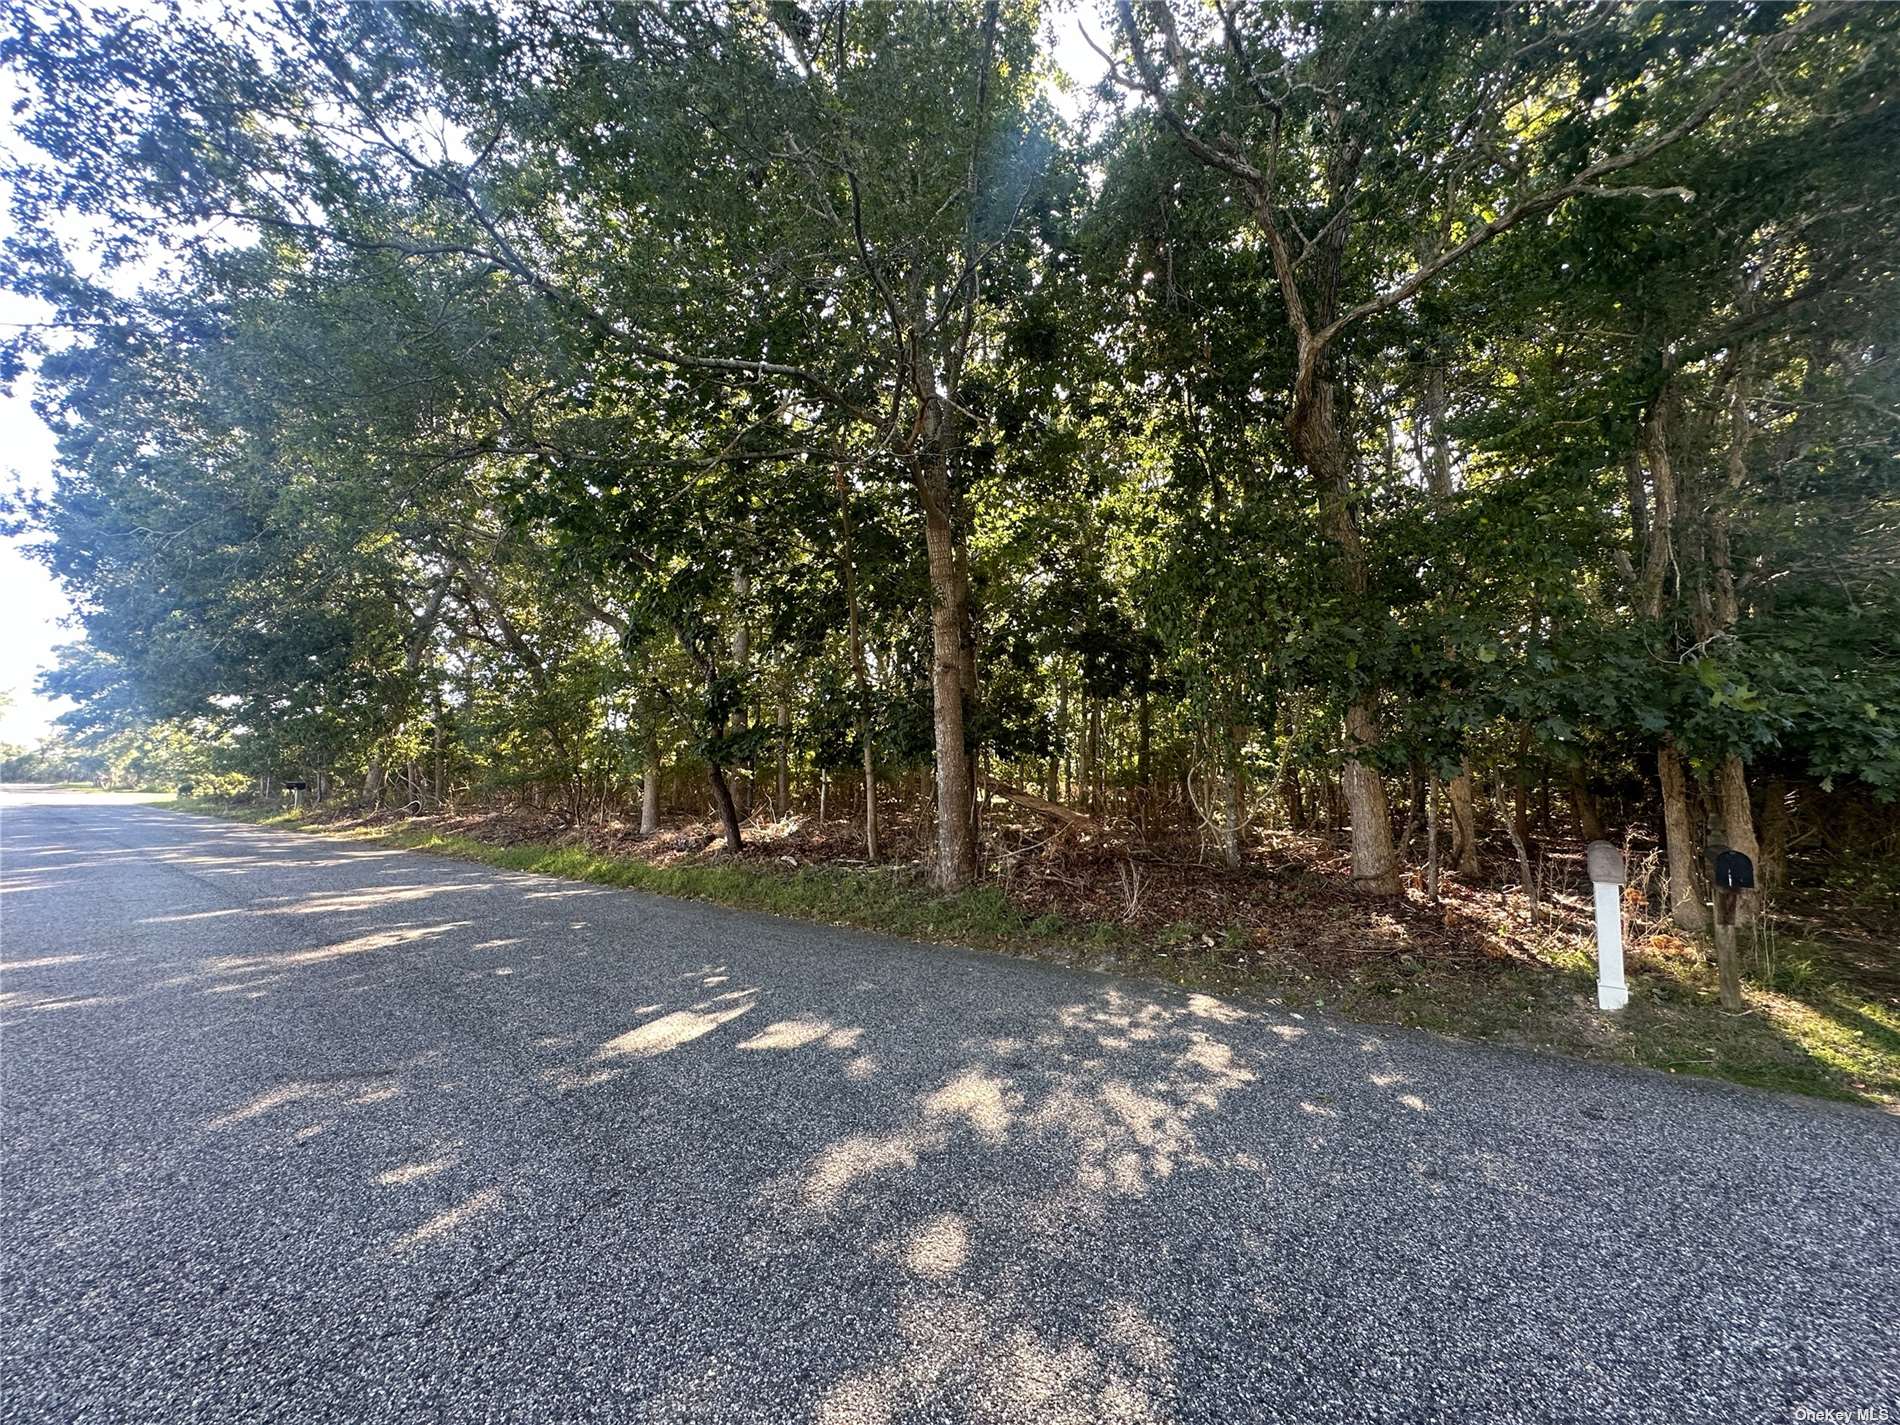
x=301, y=1130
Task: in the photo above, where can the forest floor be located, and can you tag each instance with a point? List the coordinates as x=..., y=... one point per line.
x=1822, y=973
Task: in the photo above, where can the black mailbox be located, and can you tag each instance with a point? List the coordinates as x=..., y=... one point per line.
x=296, y=786
x=184, y=789
x=1734, y=871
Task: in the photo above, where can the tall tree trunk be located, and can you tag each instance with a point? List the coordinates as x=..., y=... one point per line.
x=1520, y=788
x=1092, y=755
x=1589, y=816
x=784, y=754
x=1526, y=872
x=1316, y=437
x=1659, y=546
x=860, y=672
x=435, y=736
x=718, y=721
x=1438, y=467
x=1738, y=820
x=728, y=812
x=1235, y=798
x=741, y=794
x=956, y=843
x=1685, y=899
x=1464, y=824
x=1738, y=823
x=1059, y=764
x=650, y=787
x=1143, y=746
x=1772, y=873
x=1375, y=869
x=1295, y=802
x=1085, y=775
x=1464, y=821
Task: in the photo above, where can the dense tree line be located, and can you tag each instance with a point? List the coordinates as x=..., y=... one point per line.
x=1372, y=416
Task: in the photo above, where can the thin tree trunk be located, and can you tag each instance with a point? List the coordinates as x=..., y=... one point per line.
x=1093, y=759
x=1463, y=816
x=650, y=787
x=1316, y=437
x=1659, y=547
x=1415, y=797
x=1738, y=820
x=1143, y=746
x=1524, y=869
x=1685, y=900
x=1589, y=815
x=728, y=813
x=1236, y=797
x=435, y=794
x=1438, y=468
x=1772, y=872
x=860, y=673
x=1464, y=824
x=1058, y=790
x=718, y=722
x=1520, y=786
x=956, y=845
x=784, y=764
x=741, y=794
x=1295, y=800
x=1738, y=823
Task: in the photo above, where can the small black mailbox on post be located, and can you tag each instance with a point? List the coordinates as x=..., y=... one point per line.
x=1734, y=871
x=296, y=786
x=1734, y=874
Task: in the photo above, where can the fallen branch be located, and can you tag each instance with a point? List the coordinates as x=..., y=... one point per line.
x=1054, y=811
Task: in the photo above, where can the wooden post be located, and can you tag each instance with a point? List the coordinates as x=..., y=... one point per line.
x=1727, y=967
x=1734, y=878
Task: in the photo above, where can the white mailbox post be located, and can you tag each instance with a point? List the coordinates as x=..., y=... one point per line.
x=1606, y=879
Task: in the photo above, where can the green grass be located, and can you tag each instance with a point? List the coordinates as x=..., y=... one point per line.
x=890, y=900
x=1813, y=1031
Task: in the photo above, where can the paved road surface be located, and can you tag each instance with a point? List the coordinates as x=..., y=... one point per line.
x=300, y=1130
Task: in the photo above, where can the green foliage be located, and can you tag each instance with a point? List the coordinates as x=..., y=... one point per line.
x=480, y=396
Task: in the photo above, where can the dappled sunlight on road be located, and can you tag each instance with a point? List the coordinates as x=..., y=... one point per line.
x=939, y=1248
x=373, y=899
x=449, y=1220
x=368, y=944
x=798, y=1033
x=937, y=1163
x=888, y=1182
x=45, y=1004
x=44, y=962
x=1119, y=1370
x=415, y=1172
x=337, y=1094
x=670, y=1031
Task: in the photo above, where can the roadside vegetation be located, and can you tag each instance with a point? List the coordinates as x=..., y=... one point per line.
x=1822, y=1017
x=1255, y=517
